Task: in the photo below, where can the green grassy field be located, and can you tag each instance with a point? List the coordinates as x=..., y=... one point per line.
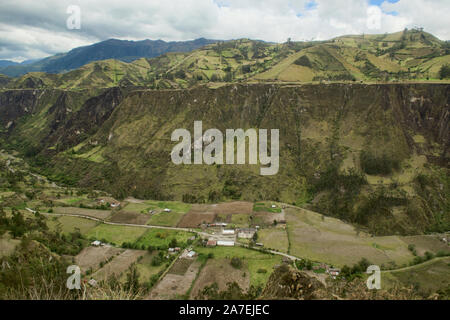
x=69, y=224
x=167, y=219
x=145, y=207
x=116, y=234
x=161, y=237
x=266, y=207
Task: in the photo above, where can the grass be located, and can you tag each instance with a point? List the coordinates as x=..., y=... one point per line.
x=335, y=242
x=274, y=238
x=69, y=224
x=172, y=205
x=257, y=278
x=167, y=219
x=240, y=219
x=72, y=200
x=145, y=207
x=161, y=237
x=116, y=234
x=258, y=207
x=7, y=246
x=427, y=277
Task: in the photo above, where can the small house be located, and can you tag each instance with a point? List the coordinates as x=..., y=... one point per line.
x=167, y=210
x=96, y=243
x=211, y=243
x=228, y=231
x=171, y=250
x=191, y=254
x=334, y=272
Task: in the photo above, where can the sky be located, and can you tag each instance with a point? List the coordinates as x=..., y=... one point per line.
x=31, y=29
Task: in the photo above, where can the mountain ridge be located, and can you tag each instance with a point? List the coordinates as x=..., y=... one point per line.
x=125, y=50
x=403, y=56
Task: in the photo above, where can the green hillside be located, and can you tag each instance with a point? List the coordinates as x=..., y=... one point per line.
x=410, y=55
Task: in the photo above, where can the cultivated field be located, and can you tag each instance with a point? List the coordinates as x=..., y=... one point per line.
x=119, y=264
x=129, y=217
x=90, y=257
x=221, y=272
x=253, y=261
x=174, y=286
x=138, y=210
x=207, y=213
x=166, y=219
x=181, y=266
x=430, y=243
x=145, y=268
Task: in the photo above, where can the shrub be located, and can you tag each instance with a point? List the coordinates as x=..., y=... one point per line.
x=262, y=271
x=444, y=72
x=156, y=261
x=373, y=164
x=236, y=262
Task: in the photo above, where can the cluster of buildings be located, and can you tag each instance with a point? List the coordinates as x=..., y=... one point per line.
x=227, y=238
x=112, y=203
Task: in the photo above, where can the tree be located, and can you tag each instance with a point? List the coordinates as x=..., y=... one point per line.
x=236, y=262
x=132, y=282
x=18, y=225
x=444, y=72
x=173, y=243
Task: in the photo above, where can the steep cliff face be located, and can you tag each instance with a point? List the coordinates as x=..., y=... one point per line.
x=121, y=140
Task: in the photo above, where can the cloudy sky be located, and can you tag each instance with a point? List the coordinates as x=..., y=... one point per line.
x=32, y=29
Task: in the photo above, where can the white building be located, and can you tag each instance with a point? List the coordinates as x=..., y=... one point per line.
x=225, y=243
x=96, y=243
x=227, y=231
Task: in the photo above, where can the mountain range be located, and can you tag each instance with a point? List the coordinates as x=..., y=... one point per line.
x=122, y=50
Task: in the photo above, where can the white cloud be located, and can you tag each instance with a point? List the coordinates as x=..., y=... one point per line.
x=33, y=29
